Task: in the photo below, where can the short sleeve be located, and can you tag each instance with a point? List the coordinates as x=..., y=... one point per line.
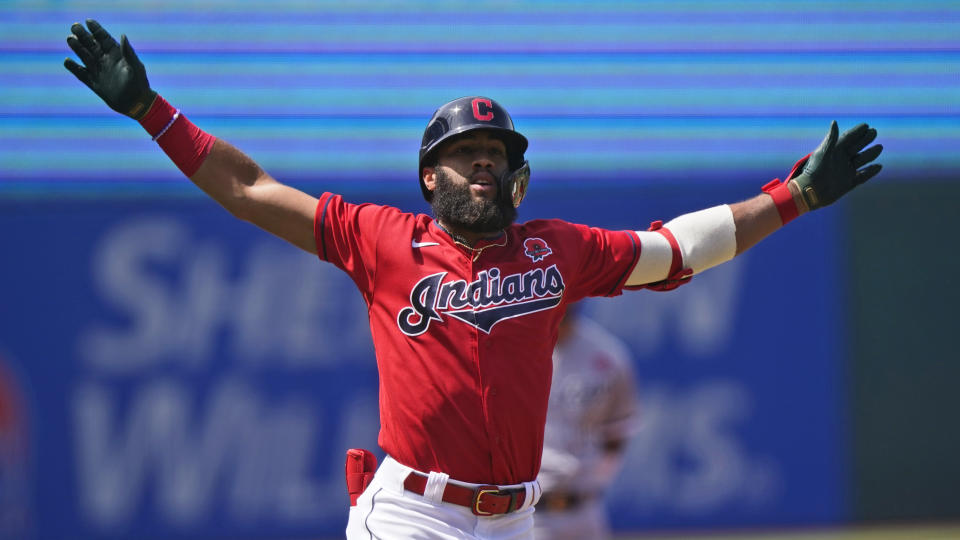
x=346, y=235
x=605, y=260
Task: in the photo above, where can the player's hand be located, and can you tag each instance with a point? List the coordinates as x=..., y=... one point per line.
x=112, y=71
x=838, y=165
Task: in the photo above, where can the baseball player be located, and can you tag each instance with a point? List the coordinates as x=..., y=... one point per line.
x=464, y=306
x=591, y=415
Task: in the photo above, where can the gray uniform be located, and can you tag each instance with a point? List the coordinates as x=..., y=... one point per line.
x=593, y=400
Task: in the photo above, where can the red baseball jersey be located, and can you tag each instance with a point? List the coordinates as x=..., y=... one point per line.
x=464, y=338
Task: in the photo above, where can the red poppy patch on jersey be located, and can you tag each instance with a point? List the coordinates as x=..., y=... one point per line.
x=536, y=249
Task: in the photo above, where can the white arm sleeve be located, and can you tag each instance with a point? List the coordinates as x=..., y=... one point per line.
x=655, y=258
x=706, y=238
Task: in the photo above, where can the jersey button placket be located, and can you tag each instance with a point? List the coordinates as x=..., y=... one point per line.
x=483, y=347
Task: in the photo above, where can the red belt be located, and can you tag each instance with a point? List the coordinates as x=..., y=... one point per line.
x=482, y=500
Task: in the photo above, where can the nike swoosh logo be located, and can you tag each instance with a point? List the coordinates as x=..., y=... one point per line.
x=414, y=244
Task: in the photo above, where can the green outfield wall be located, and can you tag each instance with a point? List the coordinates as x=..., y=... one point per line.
x=905, y=365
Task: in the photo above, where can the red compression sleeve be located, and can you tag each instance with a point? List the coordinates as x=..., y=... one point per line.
x=184, y=143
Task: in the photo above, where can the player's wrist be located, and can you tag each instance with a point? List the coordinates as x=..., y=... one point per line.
x=798, y=198
x=157, y=116
x=184, y=143
x=788, y=195
x=783, y=199
x=142, y=105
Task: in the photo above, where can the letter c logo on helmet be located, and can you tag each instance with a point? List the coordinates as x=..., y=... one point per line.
x=487, y=114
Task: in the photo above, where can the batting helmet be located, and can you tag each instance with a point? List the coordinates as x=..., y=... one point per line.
x=471, y=113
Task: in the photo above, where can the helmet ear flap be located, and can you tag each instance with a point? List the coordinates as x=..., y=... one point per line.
x=514, y=184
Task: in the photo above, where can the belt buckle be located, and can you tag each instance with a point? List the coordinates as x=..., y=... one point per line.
x=478, y=494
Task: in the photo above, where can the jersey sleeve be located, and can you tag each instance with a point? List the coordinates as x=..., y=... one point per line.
x=605, y=260
x=346, y=235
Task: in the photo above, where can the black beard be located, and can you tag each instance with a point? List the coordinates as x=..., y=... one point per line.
x=455, y=205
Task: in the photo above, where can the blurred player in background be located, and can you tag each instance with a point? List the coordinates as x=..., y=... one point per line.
x=464, y=305
x=593, y=412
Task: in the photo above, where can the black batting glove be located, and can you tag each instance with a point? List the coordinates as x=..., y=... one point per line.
x=838, y=165
x=112, y=71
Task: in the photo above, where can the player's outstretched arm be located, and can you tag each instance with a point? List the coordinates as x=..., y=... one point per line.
x=114, y=72
x=841, y=163
x=694, y=242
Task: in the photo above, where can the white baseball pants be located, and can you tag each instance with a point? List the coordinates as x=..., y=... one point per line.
x=386, y=511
